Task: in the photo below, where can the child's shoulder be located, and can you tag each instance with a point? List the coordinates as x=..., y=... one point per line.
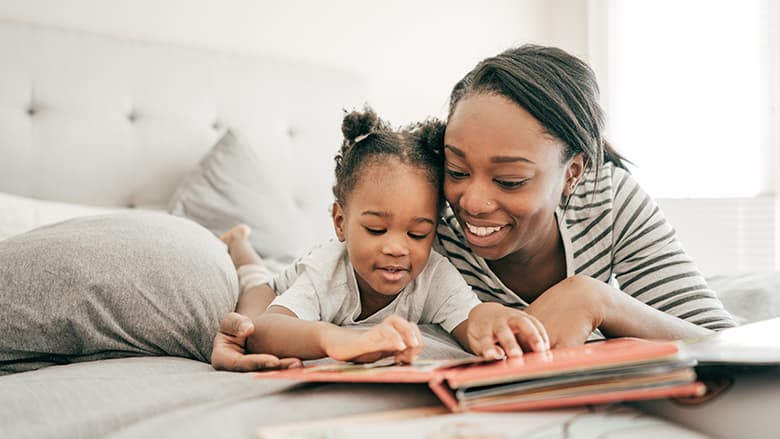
x=331, y=249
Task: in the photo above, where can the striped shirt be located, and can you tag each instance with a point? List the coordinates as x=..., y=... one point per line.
x=614, y=232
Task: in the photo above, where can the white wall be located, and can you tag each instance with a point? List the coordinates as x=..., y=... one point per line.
x=411, y=52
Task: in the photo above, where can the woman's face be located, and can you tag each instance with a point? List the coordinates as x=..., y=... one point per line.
x=504, y=176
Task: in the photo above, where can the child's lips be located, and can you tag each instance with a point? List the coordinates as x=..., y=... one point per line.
x=393, y=273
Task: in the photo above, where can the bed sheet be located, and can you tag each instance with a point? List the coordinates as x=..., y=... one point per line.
x=179, y=398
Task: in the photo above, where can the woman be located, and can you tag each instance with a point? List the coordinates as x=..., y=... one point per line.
x=543, y=215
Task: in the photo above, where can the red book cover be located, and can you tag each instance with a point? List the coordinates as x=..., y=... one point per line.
x=600, y=372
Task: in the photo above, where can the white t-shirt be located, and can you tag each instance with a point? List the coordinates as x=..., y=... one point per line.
x=321, y=286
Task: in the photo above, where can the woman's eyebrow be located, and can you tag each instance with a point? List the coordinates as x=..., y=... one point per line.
x=510, y=159
x=455, y=151
x=497, y=159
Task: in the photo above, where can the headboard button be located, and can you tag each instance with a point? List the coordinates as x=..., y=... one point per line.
x=132, y=117
x=31, y=111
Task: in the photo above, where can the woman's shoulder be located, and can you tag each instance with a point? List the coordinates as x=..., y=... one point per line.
x=449, y=234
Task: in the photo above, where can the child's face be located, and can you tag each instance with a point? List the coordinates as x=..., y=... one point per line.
x=388, y=224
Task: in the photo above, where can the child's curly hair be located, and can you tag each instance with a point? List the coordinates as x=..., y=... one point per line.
x=369, y=140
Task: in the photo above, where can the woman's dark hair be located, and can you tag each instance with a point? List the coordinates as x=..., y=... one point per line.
x=369, y=140
x=556, y=88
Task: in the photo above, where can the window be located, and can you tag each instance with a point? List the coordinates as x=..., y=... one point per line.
x=688, y=90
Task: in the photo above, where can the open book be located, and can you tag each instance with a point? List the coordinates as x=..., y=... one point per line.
x=599, y=372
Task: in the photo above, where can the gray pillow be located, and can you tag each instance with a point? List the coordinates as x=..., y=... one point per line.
x=121, y=284
x=229, y=186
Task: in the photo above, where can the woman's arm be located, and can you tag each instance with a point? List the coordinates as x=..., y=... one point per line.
x=651, y=265
x=572, y=309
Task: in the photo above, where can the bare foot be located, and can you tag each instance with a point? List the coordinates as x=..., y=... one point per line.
x=237, y=233
x=239, y=247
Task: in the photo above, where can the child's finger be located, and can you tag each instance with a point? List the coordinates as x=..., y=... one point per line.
x=486, y=346
x=253, y=362
x=389, y=339
x=407, y=356
x=235, y=324
x=508, y=341
x=408, y=331
x=528, y=334
x=542, y=330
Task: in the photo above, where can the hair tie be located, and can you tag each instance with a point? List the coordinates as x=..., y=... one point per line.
x=360, y=137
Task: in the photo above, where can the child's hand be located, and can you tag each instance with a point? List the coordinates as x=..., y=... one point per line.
x=395, y=336
x=495, y=331
x=229, y=350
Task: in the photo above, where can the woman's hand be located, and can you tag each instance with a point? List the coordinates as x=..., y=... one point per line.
x=495, y=331
x=395, y=336
x=229, y=350
x=572, y=309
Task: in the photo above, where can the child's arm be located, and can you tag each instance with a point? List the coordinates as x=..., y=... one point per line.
x=280, y=332
x=494, y=330
x=229, y=350
x=254, y=301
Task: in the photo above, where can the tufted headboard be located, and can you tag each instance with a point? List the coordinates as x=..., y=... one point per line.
x=103, y=121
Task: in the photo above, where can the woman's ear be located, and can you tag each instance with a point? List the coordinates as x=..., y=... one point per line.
x=575, y=168
x=338, y=220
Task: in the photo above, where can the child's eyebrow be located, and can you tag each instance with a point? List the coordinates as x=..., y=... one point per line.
x=382, y=214
x=376, y=213
x=422, y=219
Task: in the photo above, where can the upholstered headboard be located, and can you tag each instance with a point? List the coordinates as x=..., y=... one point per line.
x=103, y=121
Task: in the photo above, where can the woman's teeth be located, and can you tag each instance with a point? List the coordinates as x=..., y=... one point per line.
x=482, y=231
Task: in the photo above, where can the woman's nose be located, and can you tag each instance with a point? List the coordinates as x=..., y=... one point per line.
x=475, y=200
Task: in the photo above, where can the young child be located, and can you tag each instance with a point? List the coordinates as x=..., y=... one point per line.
x=381, y=271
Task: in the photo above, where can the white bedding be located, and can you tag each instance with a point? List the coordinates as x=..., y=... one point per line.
x=20, y=214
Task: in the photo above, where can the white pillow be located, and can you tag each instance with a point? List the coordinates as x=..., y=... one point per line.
x=19, y=214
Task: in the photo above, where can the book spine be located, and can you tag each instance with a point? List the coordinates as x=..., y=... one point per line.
x=444, y=393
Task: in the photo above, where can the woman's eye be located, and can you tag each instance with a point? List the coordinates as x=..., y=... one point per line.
x=374, y=231
x=452, y=173
x=510, y=184
x=418, y=236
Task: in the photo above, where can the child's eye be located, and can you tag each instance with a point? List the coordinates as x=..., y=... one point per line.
x=456, y=175
x=418, y=236
x=375, y=231
x=510, y=184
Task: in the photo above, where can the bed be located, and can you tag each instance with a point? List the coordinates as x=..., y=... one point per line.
x=120, y=162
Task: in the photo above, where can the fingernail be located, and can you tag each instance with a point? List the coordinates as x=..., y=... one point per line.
x=541, y=346
x=515, y=352
x=244, y=327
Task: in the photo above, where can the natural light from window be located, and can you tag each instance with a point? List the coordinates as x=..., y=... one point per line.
x=689, y=95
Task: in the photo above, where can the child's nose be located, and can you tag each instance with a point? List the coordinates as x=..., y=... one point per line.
x=395, y=247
